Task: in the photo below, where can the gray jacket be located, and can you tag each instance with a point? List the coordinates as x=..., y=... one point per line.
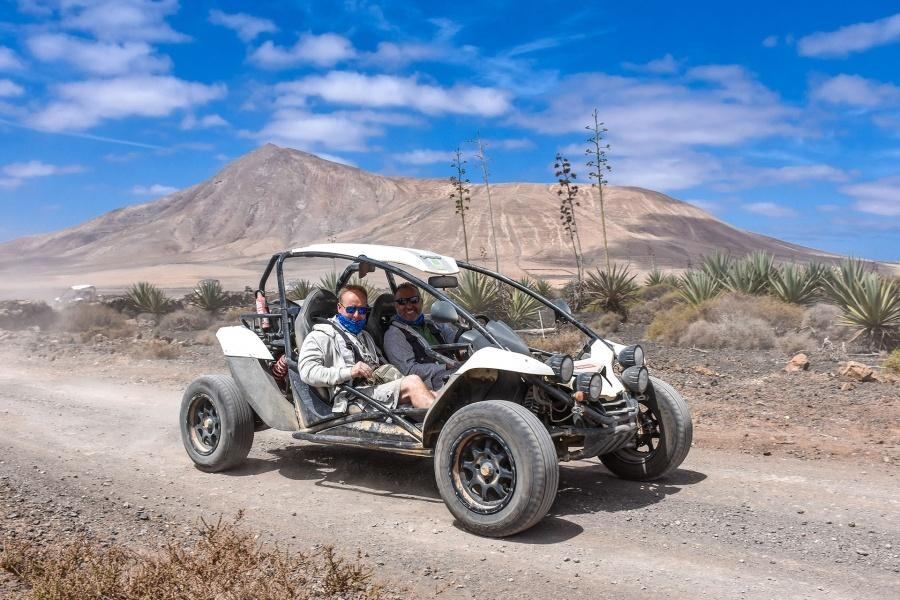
x=325, y=360
x=400, y=354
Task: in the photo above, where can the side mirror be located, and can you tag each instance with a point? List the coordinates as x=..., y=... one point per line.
x=443, y=312
x=443, y=281
x=562, y=305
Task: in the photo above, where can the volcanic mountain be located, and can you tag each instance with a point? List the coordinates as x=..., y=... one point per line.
x=277, y=198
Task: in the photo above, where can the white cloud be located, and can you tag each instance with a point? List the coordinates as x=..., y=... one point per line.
x=247, y=27
x=424, y=157
x=9, y=61
x=770, y=209
x=306, y=131
x=665, y=173
x=797, y=173
x=664, y=65
x=880, y=197
x=154, y=190
x=83, y=104
x=98, y=58
x=510, y=144
x=770, y=42
x=207, y=122
x=389, y=54
x=36, y=168
x=855, y=91
x=388, y=91
x=852, y=38
x=324, y=50
x=10, y=89
x=123, y=19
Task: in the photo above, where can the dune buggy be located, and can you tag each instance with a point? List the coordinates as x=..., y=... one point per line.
x=498, y=428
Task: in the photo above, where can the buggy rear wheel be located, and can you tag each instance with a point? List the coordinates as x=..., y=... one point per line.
x=216, y=423
x=496, y=468
x=663, y=440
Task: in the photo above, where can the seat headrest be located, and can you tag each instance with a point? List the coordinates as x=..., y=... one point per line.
x=319, y=304
x=382, y=312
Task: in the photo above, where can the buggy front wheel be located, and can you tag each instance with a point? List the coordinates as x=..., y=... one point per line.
x=496, y=468
x=216, y=423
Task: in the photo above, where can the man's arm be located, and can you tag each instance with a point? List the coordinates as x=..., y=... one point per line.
x=312, y=362
x=401, y=355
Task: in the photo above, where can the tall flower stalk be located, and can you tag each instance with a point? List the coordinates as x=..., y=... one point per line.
x=460, y=195
x=568, y=194
x=482, y=157
x=598, y=163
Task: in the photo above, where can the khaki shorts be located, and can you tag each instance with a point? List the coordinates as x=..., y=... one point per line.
x=386, y=393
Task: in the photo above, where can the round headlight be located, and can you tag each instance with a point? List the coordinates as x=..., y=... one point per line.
x=636, y=379
x=563, y=366
x=591, y=384
x=631, y=356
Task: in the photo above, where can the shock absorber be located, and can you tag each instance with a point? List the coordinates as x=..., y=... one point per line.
x=280, y=368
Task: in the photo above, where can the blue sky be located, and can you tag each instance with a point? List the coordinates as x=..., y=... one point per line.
x=780, y=118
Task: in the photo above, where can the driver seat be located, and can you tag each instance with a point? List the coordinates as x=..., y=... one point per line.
x=319, y=304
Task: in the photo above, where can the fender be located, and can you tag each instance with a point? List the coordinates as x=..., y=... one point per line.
x=504, y=360
x=601, y=360
x=240, y=341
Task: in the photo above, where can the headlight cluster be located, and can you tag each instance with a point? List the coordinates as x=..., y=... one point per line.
x=591, y=384
x=636, y=379
x=563, y=366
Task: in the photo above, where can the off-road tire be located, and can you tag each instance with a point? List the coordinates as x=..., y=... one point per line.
x=226, y=441
x=515, y=433
x=676, y=431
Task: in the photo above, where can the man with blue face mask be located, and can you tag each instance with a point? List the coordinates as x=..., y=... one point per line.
x=341, y=351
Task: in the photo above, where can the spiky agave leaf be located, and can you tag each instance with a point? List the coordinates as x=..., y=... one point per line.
x=329, y=282
x=521, y=309
x=871, y=304
x=477, y=293
x=849, y=272
x=751, y=274
x=717, y=265
x=697, y=286
x=791, y=283
x=656, y=276
x=209, y=296
x=144, y=297
x=299, y=289
x=611, y=291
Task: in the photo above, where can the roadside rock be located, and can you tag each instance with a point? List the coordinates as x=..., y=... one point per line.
x=857, y=372
x=800, y=362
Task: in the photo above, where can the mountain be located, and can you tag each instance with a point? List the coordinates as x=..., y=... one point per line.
x=276, y=198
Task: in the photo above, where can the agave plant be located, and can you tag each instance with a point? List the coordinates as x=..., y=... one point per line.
x=537, y=285
x=849, y=273
x=477, y=293
x=329, y=281
x=611, y=291
x=717, y=265
x=698, y=286
x=521, y=309
x=144, y=297
x=209, y=296
x=299, y=289
x=790, y=283
x=871, y=304
x=751, y=275
x=656, y=276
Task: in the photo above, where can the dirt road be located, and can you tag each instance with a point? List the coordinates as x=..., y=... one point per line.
x=92, y=445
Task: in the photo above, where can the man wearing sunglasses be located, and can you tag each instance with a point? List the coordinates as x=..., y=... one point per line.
x=341, y=351
x=408, y=340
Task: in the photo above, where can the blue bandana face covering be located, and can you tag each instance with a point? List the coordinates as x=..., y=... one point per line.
x=418, y=322
x=350, y=325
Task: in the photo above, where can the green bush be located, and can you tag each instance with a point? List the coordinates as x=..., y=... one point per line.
x=611, y=291
x=208, y=296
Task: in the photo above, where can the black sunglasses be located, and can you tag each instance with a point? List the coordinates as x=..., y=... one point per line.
x=352, y=310
x=410, y=300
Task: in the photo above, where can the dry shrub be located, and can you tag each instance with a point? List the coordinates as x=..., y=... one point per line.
x=652, y=292
x=647, y=311
x=188, y=319
x=783, y=317
x=794, y=342
x=743, y=333
x=225, y=562
x=607, y=324
x=566, y=339
x=156, y=349
x=206, y=338
x=823, y=321
x=21, y=314
x=668, y=326
x=892, y=362
x=94, y=318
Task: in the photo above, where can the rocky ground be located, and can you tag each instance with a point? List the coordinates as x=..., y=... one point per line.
x=789, y=491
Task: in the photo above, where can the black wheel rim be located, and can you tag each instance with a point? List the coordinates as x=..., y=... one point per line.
x=204, y=424
x=648, y=438
x=482, y=470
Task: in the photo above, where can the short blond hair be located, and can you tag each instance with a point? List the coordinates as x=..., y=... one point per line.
x=354, y=289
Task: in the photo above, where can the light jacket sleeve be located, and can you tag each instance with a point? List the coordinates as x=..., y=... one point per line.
x=316, y=363
x=400, y=354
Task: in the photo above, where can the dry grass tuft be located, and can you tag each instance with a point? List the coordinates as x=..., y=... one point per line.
x=892, y=362
x=156, y=349
x=745, y=333
x=568, y=340
x=645, y=312
x=783, y=317
x=669, y=325
x=607, y=324
x=95, y=318
x=794, y=342
x=225, y=562
x=188, y=319
x=823, y=321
